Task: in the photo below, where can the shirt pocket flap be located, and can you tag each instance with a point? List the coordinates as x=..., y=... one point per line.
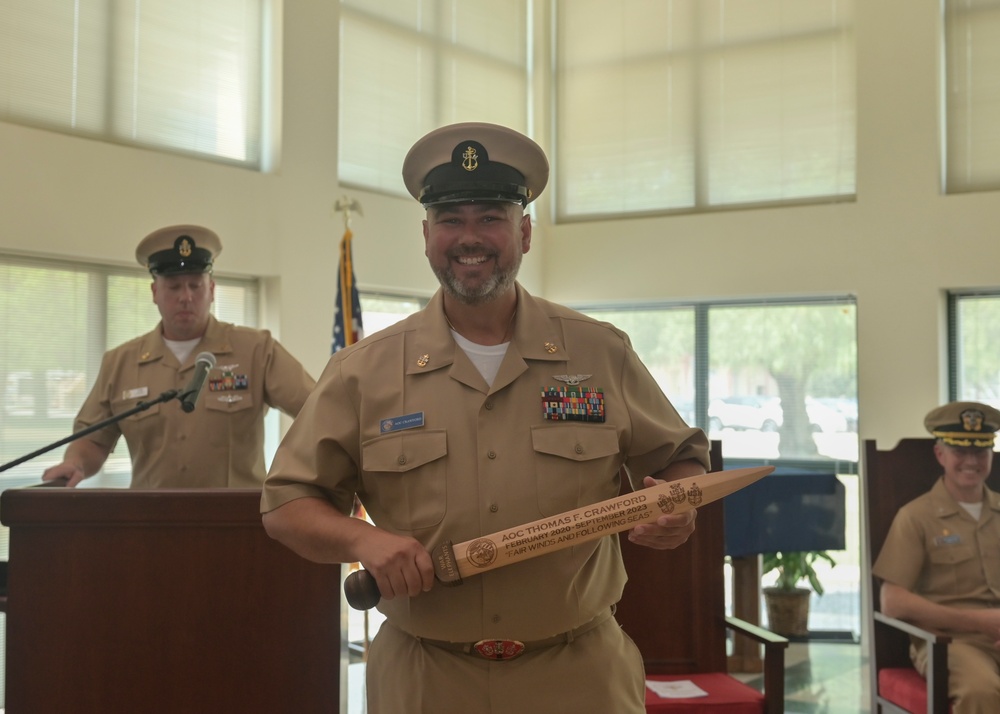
x=403, y=452
x=951, y=555
x=579, y=443
x=122, y=405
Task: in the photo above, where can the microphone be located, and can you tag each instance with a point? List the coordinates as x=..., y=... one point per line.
x=203, y=364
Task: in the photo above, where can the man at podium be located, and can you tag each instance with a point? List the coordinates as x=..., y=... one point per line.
x=217, y=441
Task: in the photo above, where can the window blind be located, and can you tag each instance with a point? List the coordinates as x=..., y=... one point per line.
x=693, y=104
x=409, y=66
x=178, y=75
x=972, y=55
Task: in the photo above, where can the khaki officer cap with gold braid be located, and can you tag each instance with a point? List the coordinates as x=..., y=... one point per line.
x=475, y=161
x=176, y=250
x=966, y=424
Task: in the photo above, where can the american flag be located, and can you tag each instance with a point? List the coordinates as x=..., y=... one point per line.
x=348, y=333
x=348, y=303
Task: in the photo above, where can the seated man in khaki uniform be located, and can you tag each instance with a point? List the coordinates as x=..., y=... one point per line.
x=488, y=409
x=940, y=564
x=221, y=442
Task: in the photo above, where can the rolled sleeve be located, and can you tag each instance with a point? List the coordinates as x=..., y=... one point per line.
x=312, y=460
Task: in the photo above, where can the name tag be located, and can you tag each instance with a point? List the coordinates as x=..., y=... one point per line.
x=407, y=421
x=135, y=393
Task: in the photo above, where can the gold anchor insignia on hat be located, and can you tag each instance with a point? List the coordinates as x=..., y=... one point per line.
x=422, y=360
x=470, y=159
x=550, y=347
x=972, y=420
x=185, y=247
x=572, y=379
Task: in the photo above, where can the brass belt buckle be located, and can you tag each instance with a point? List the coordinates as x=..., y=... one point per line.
x=499, y=649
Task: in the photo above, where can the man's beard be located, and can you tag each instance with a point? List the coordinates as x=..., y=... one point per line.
x=496, y=285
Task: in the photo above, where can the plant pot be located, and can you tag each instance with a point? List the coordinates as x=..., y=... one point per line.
x=788, y=611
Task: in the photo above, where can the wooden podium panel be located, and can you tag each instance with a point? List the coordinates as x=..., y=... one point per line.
x=163, y=601
x=674, y=604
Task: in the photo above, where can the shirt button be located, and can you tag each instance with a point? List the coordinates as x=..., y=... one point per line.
x=489, y=404
x=579, y=448
x=401, y=460
x=495, y=618
x=494, y=508
x=491, y=454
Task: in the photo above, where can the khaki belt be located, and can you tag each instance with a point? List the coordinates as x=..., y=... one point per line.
x=503, y=650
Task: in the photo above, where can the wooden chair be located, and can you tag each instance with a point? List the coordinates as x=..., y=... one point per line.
x=674, y=609
x=892, y=479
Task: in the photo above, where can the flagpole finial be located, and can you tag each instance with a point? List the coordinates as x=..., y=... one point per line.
x=347, y=206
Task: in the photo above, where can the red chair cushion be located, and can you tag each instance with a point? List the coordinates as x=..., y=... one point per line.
x=726, y=695
x=904, y=687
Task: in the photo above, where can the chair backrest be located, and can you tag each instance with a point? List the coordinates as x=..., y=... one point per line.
x=674, y=604
x=892, y=479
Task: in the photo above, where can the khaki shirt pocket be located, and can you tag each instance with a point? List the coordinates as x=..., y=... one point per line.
x=406, y=475
x=142, y=430
x=955, y=568
x=230, y=419
x=123, y=405
x=574, y=465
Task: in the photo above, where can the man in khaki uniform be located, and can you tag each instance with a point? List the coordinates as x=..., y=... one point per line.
x=940, y=564
x=221, y=442
x=488, y=409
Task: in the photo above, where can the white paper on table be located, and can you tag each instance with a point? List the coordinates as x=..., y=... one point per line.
x=680, y=689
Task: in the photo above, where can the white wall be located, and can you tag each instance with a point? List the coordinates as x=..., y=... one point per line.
x=897, y=247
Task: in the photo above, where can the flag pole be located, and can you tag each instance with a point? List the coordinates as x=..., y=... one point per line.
x=346, y=206
x=346, y=288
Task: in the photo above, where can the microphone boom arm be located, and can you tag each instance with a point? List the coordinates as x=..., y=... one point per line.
x=140, y=407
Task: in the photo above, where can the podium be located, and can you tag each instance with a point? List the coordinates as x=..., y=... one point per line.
x=164, y=601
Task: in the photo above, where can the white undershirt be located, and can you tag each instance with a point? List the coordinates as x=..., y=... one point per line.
x=487, y=358
x=973, y=509
x=182, y=349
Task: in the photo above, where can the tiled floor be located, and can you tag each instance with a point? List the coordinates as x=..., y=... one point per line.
x=824, y=678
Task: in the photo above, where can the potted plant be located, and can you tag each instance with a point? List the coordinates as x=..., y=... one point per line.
x=787, y=603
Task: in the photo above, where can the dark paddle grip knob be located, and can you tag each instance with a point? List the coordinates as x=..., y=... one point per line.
x=361, y=590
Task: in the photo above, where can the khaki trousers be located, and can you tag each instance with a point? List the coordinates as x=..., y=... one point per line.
x=599, y=672
x=973, y=675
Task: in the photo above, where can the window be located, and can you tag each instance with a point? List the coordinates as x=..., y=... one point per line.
x=409, y=66
x=380, y=310
x=974, y=343
x=695, y=104
x=776, y=382
x=972, y=54
x=181, y=75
